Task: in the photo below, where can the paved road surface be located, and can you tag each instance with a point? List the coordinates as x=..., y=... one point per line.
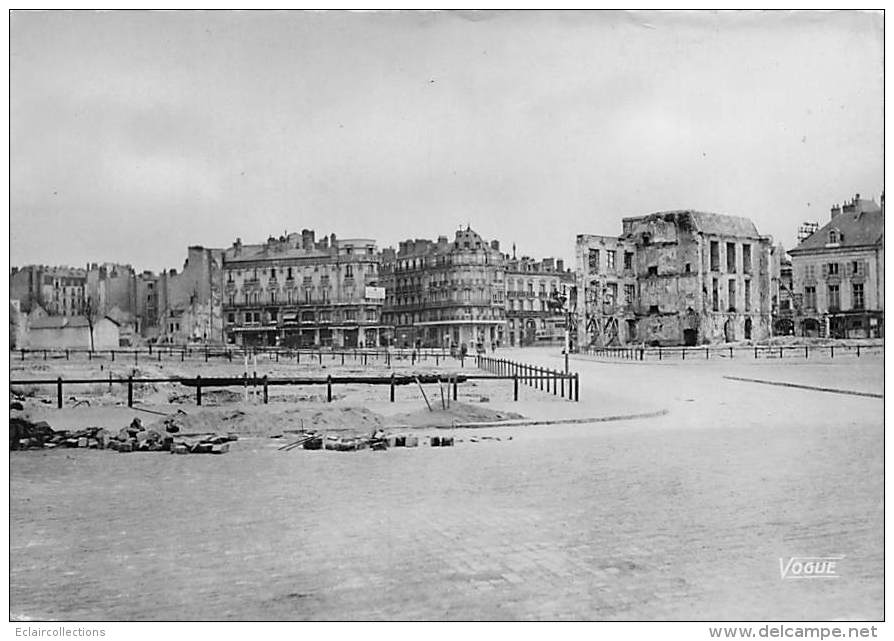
x=679, y=517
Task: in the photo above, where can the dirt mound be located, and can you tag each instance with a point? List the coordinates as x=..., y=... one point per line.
x=266, y=421
x=457, y=413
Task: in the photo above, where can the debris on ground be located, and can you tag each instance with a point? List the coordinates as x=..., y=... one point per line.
x=25, y=434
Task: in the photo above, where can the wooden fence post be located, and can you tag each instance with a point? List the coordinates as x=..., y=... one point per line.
x=130, y=391
x=59, y=392
x=329, y=388
x=515, y=386
x=577, y=387
x=392, y=387
x=198, y=390
x=265, y=384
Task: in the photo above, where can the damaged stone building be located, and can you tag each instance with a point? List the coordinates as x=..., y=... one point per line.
x=445, y=294
x=606, y=290
x=675, y=278
x=296, y=291
x=188, y=303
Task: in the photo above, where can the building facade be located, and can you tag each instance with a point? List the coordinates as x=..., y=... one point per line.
x=297, y=291
x=532, y=287
x=445, y=294
x=189, y=303
x=675, y=278
x=60, y=291
x=607, y=290
x=838, y=274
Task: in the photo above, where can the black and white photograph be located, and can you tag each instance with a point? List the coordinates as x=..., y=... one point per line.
x=447, y=316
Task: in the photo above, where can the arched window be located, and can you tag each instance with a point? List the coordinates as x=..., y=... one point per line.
x=834, y=236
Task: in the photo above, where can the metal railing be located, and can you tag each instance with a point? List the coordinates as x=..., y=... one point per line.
x=732, y=352
x=541, y=378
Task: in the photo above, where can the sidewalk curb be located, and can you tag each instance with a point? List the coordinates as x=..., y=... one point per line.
x=807, y=387
x=531, y=422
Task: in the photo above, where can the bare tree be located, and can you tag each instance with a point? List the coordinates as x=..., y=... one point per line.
x=92, y=314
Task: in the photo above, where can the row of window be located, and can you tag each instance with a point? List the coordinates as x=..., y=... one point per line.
x=731, y=262
x=595, y=267
x=411, y=264
x=849, y=269
x=833, y=297
x=324, y=316
x=527, y=305
x=471, y=313
x=731, y=295
x=273, y=272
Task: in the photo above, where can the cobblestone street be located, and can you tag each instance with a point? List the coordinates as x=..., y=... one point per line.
x=684, y=516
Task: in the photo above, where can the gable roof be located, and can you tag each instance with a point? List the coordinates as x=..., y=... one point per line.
x=857, y=229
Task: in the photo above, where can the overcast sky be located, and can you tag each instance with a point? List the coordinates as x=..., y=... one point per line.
x=137, y=134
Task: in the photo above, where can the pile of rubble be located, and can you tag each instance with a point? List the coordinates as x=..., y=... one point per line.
x=377, y=441
x=134, y=438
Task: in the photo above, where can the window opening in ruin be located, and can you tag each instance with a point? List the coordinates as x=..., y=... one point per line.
x=731, y=258
x=628, y=260
x=653, y=270
x=715, y=256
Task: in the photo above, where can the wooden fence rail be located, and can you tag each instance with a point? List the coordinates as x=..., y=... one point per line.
x=200, y=383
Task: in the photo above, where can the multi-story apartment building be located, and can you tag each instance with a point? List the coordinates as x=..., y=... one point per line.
x=296, y=291
x=60, y=291
x=838, y=274
x=532, y=287
x=445, y=294
x=675, y=277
